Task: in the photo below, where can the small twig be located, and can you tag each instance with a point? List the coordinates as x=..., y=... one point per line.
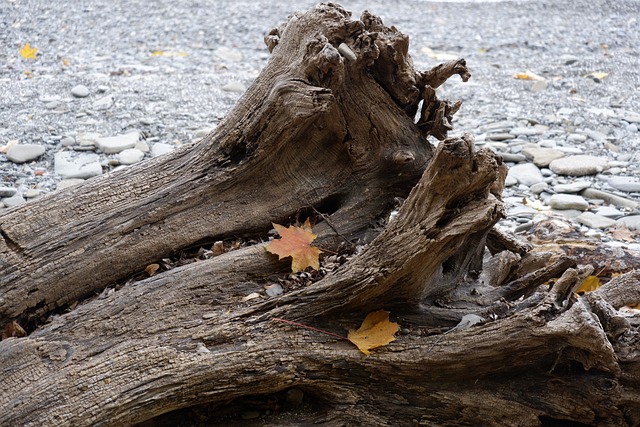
x=302, y=325
x=326, y=218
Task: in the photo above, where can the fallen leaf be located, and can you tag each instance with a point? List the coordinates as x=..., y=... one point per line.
x=622, y=233
x=591, y=283
x=151, y=269
x=168, y=53
x=376, y=330
x=528, y=75
x=5, y=148
x=13, y=329
x=295, y=242
x=28, y=52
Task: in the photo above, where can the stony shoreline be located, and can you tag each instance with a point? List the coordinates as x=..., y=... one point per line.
x=114, y=83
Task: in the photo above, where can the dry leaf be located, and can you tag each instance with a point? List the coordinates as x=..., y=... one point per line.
x=591, y=283
x=623, y=233
x=295, y=242
x=376, y=330
x=5, y=148
x=165, y=53
x=528, y=75
x=151, y=269
x=28, y=52
x=13, y=330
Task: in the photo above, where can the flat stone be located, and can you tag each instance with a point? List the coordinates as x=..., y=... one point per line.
x=130, y=156
x=116, y=144
x=579, y=165
x=31, y=193
x=500, y=136
x=510, y=157
x=612, y=199
x=103, y=103
x=77, y=165
x=526, y=173
x=228, y=54
x=628, y=184
x=160, y=148
x=609, y=212
x=526, y=131
x=541, y=157
x=539, y=187
x=631, y=117
x=632, y=222
x=80, y=91
x=234, y=87
x=568, y=201
x=14, y=200
x=573, y=187
x=567, y=213
x=510, y=181
x=66, y=183
x=595, y=221
x=22, y=153
x=7, y=191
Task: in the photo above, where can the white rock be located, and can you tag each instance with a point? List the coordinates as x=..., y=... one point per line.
x=116, y=144
x=130, y=156
x=31, y=193
x=632, y=222
x=595, y=221
x=573, y=187
x=609, y=212
x=14, y=200
x=228, y=54
x=160, y=148
x=627, y=184
x=568, y=201
x=526, y=173
x=541, y=157
x=22, y=153
x=579, y=165
x=103, y=103
x=234, y=87
x=80, y=91
x=77, y=165
x=66, y=183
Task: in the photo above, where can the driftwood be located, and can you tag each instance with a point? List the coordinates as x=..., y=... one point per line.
x=335, y=127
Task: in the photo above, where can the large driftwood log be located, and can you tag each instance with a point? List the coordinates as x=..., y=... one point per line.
x=319, y=129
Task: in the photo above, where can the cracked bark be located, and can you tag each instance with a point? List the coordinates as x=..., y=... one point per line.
x=320, y=130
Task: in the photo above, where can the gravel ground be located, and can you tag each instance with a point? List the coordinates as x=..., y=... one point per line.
x=171, y=70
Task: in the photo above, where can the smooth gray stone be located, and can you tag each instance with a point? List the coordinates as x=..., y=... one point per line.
x=80, y=91
x=568, y=201
x=14, y=200
x=573, y=187
x=7, y=191
x=628, y=184
x=526, y=173
x=541, y=157
x=632, y=222
x=160, y=148
x=130, y=156
x=612, y=199
x=609, y=212
x=595, y=221
x=77, y=165
x=116, y=144
x=22, y=153
x=579, y=165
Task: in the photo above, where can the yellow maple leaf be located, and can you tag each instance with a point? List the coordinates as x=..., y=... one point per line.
x=295, y=242
x=591, y=283
x=376, y=330
x=528, y=75
x=28, y=52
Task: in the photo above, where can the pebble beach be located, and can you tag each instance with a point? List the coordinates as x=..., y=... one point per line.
x=90, y=87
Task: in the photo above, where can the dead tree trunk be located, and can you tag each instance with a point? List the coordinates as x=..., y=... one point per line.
x=327, y=127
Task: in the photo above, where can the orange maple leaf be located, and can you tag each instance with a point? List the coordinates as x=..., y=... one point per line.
x=590, y=284
x=295, y=242
x=376, y=330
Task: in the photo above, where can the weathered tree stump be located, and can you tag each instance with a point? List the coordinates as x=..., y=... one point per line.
x=337, y=123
